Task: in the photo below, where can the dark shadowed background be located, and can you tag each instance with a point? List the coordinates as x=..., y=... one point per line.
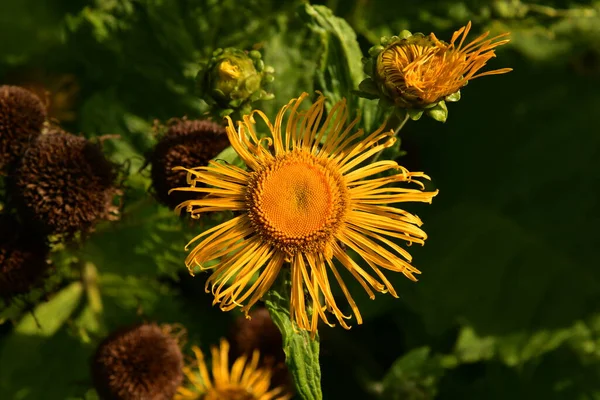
x=508, y=302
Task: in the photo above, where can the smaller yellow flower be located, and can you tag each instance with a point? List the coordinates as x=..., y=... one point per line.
x=244, y=381
x=418, y=72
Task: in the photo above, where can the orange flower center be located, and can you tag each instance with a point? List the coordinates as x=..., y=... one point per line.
x=297, y=202
x=233, y=393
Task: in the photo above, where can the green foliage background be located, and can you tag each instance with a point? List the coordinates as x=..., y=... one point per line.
x=508, y=303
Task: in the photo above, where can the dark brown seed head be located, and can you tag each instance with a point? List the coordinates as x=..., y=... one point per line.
x=140, y=362
x=260, y=332
x=23, y=258
x=186, y=144
x=63, y=184
x=22, y=115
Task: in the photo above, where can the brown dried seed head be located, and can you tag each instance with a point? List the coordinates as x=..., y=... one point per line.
x=140, y=362
x=23, y=258
x=186, y=144
x=260, y=332
x=22, y=115
x=64, y=184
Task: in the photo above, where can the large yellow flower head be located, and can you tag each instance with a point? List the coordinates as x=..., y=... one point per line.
x=243, y=381
x=418, y=72
x=308, y=196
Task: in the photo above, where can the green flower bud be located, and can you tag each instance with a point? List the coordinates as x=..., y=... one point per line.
x=232, y=79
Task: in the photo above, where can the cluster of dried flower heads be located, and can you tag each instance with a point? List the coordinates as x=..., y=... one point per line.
x=58, y=185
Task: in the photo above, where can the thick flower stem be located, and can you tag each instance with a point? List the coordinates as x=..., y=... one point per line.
x=301, y=352
x=398, y=129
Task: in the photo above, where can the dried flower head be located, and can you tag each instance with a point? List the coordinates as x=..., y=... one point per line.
x=420, y=73
x=141, y=362
x=259, y=332
x=187, y=143
x=298, y=203
x=63, y=184
x=243, y=381
x=22, y=116
x=23, y=258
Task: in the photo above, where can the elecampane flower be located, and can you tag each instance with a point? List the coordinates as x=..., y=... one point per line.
x=421, y=70
x=243, y=381
x=309, y=194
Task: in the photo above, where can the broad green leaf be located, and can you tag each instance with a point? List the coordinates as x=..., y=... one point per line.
x=340, y=69
x=293, y=52
x=414, y=376
x=40, y=338
x=513, y=349
x=48, y=317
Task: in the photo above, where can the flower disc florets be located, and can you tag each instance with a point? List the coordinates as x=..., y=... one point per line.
x=232, y=79
x=417, y=74
x=297, y=202
x=22, y=115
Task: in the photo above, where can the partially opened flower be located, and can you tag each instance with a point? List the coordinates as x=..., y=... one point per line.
x=243, y=381
x=417, y=72
x=299, y=205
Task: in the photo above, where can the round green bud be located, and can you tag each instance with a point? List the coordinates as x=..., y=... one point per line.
x=232, y=79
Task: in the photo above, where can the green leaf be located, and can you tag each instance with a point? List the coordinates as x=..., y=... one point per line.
x=413, y=376
x=40, y=337
x=301, y=352
x=340, y=69
x=230, y=156
x=293, y=52
x=48, y=317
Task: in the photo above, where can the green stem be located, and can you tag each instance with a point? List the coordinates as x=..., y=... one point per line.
x=90, y=283
x=398, y=129
x=301, y=352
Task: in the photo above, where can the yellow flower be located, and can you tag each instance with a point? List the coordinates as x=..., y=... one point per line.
x=305, y=198
x=424, y=70
x=244, y=381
